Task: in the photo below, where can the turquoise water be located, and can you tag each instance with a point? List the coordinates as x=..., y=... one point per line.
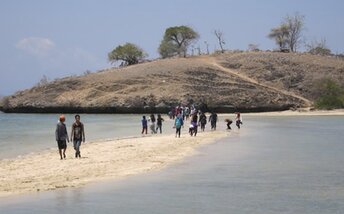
x=272, y=165
x=26, y=133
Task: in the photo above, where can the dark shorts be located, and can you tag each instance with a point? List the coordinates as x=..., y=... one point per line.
x=62, y=144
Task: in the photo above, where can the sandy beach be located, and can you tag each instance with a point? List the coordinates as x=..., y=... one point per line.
x=107, y=159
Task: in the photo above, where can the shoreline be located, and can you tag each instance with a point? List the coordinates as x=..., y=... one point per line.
x=298, y=112
x=101, y=160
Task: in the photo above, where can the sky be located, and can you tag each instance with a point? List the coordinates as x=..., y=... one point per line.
x=69, y=37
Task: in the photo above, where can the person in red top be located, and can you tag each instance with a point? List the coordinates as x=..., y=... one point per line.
x=77, y=135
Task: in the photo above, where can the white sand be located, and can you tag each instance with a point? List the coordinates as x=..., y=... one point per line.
x=100, y=160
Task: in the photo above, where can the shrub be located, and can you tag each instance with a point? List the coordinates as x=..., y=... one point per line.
x=330, y=94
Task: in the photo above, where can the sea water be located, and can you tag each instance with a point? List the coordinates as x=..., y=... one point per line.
x=22, y=134
x=271, y=165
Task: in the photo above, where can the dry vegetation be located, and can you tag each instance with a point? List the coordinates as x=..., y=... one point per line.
x=254, y=81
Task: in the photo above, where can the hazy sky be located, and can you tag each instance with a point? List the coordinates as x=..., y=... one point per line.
x=57, y=38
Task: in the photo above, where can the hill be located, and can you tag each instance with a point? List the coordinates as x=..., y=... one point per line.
x=244, y=81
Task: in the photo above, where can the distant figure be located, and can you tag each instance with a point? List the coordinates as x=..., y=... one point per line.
x=229, y=122
x=213, y=120
x=77, y=135
x=144, y=125
x=61, y=136
x=202, y=121
x=178, y=123
x=159, y=123
x=152, y=123
x=238, y=119
x=194, y=126
x=187, y=112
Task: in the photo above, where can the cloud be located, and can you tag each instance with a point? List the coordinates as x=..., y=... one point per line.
x=56, y=61
x=36, y=46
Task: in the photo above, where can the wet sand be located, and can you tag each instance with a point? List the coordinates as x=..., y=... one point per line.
x=108, y=159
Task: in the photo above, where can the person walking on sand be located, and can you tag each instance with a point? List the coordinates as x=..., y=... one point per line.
x=159, y=123
x=213, y=120
x=144, y=125
x=238, y=119
x=194, y=124
x=77, y=135
x=178, y=123
x=202, y=121
x=61, y=136
x=152, y=123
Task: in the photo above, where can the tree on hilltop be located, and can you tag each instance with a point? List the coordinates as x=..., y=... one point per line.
x=318, y=48
x=177, y=40
x=219, y=36
x=280, y=34
x=288, y=35
x=129, y=53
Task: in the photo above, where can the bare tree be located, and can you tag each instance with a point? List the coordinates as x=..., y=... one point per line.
x=207, y=46
x=295, y=24
x=219, y=36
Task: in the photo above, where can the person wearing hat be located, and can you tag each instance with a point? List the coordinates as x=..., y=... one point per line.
x=61, y=136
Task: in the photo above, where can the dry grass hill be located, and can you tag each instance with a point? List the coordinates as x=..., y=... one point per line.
x=245, y=81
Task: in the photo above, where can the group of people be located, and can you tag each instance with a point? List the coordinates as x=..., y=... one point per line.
x=180, y=115
x=152, y=121
x=198, y=118
x=77, y=136
x=238, y=121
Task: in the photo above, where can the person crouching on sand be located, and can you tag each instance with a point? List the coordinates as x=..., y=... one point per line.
x=229, y=122
x=77, y=135
x=61, y=136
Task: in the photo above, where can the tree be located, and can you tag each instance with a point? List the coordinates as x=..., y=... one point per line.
x=167, y=49
x=129, y=53
x=177, y=40
x=295, y=26
x=253, y=47
x=288, y=34
x=280, y=35
x=318, y=48
x=219, y=36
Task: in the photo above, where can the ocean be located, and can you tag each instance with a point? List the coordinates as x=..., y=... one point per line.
x=22, y=134
x=284, y=164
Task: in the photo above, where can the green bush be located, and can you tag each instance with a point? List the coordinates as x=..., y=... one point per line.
x=330, y=94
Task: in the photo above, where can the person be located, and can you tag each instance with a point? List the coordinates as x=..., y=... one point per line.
x=61, y=136
x=238, y=119
x=202, y=121
x=213, y=120
x=77, y=135
x=229, y=122
x=187, y=112
x=144, y=125
x=152, y=123
x=178, y=123
x=194, y=124
x=159, y=123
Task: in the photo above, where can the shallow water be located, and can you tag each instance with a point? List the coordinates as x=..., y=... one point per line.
x=26, y=133
x=272, y=165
